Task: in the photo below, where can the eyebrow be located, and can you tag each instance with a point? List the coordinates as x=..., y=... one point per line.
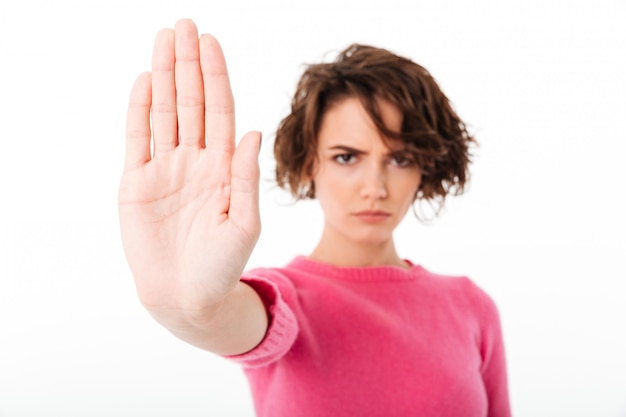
x=347, y=149
x=355, y=151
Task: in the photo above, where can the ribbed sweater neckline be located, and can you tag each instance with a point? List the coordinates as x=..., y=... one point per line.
x=358, y=273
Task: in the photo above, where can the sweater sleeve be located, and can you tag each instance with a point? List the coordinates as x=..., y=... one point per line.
x=493, y=368
x=276, y=292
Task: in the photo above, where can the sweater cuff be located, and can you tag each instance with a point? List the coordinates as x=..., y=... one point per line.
x=282, y=327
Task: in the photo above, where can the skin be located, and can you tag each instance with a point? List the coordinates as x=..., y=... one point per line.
x=189, y=211
x=364, y=186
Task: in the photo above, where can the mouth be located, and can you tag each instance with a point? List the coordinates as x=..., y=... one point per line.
x=372, y=216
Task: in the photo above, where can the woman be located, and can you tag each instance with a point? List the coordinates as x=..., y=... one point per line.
x=353, y=328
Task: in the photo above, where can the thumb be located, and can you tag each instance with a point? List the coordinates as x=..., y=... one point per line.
x=245, y=173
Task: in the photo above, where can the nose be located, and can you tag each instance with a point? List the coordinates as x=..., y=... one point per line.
x=374, y=184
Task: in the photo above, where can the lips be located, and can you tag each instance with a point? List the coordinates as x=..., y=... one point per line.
x=372, y=216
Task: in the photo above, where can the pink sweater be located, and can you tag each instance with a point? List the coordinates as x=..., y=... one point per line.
x=375, y=341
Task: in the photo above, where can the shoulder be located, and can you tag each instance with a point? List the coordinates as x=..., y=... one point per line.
x=462, y=292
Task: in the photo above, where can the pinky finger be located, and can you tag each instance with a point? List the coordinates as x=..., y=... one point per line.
x=138, y=131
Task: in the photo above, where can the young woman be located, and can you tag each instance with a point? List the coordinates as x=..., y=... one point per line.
x=352, y=328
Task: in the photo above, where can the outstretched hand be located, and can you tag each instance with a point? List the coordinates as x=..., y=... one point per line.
x=188, y=208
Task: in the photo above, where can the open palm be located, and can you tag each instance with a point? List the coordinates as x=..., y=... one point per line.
x=188, y=209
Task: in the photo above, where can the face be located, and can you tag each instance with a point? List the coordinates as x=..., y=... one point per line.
x=364, y=185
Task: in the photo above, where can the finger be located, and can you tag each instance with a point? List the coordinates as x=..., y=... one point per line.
x=244, y=194
x=138, y=123
x=218, y=98
x=189, y=85
x=164, y=122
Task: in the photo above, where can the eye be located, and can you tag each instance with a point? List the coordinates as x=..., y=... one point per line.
x=345, y=159
x=402, y=160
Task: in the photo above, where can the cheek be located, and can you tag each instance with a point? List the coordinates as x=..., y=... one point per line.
x=333, y=180
x=406, y=184
x=334, y=193
x=330, y=193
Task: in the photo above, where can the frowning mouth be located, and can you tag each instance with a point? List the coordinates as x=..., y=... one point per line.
x=372, y=216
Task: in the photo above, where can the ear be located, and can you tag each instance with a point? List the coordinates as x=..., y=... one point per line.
x=307, y=179
x=311, y=170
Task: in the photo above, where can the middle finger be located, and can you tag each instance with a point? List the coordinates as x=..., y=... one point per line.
x=189, y=85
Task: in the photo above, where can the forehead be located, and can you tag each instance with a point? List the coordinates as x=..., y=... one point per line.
x=348, y=122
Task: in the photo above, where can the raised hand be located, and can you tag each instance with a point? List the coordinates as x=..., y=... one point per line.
x=188, y=209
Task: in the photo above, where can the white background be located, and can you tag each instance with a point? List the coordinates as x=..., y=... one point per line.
x=541, y=228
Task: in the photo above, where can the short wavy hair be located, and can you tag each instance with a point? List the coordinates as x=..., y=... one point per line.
x=434, y=134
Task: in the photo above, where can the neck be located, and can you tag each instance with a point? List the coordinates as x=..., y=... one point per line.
x=334, y=251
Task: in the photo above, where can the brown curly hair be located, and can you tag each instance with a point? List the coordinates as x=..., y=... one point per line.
x=435, y=136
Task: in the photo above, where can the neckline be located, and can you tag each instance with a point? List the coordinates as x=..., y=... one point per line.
x=356, y=273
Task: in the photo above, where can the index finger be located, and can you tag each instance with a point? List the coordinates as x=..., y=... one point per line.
x=218, y=97
x=138, y=123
